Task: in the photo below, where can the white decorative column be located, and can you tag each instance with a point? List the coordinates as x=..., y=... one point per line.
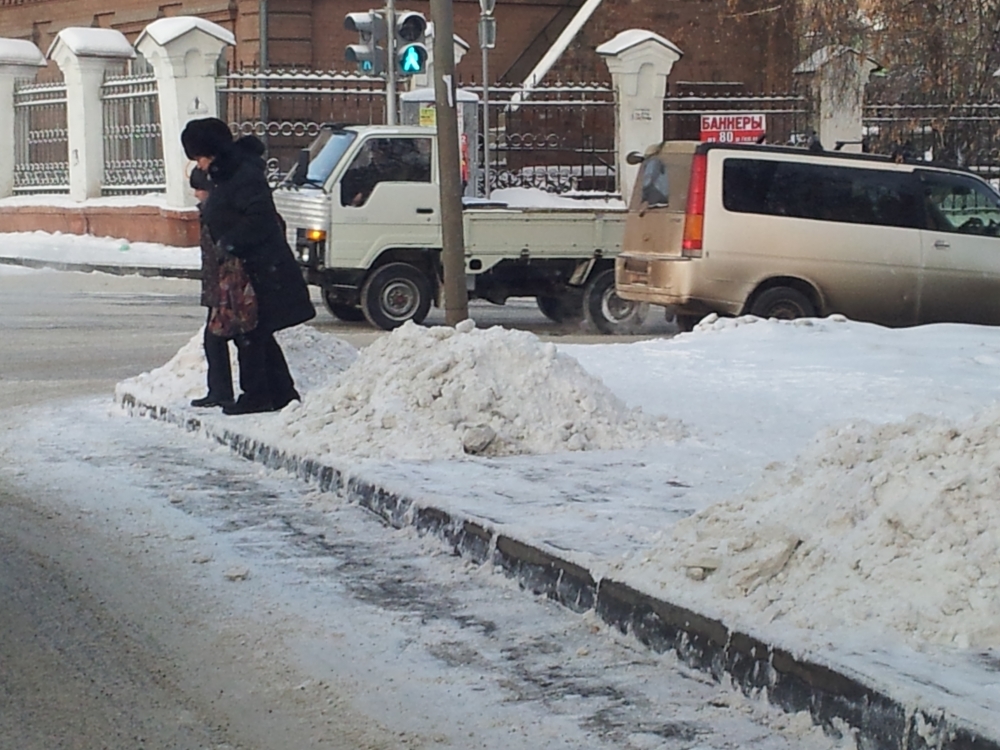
x=184, y=52
x=18, y=59
x=640, y=63
x=839, y=77
x=84, y=55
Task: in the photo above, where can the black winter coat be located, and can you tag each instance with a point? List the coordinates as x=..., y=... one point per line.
x=241, y=217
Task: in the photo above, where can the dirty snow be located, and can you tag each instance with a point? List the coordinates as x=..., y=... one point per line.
x=431, y=393
x=877, y=526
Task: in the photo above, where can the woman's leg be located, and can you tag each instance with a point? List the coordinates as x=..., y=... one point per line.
x=279, y=380
x=256, y=394
x=220, y=374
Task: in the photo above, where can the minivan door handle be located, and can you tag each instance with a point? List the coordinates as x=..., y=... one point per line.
x=425, y=210
x=942, y=245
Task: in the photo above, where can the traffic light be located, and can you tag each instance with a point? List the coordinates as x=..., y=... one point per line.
x=369, y=52
x=410, y=37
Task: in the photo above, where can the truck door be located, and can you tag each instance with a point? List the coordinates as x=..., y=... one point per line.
x=386, y=198
x=961, y=250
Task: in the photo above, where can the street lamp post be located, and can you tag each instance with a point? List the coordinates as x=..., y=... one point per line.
x=487, y=41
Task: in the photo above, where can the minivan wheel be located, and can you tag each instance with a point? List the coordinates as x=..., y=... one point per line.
x=783, y=303
x=394, y=294
x=608, y=312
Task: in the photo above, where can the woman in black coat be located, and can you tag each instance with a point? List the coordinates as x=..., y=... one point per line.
x=241, y=218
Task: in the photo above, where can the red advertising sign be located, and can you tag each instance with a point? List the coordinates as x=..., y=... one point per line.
x=741, y=128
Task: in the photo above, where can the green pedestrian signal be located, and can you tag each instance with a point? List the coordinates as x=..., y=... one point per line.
x=412, y=59
x=410, y=34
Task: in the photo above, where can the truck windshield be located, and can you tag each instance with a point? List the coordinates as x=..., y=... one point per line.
x=325, y=152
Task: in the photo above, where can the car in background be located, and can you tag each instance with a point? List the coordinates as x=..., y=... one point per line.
x=784, y=232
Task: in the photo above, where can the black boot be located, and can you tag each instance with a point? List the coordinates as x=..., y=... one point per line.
x=244, y=405
x=212, y=400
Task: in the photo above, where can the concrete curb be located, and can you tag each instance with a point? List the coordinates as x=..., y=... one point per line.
x=113, y=269
x=882, y=721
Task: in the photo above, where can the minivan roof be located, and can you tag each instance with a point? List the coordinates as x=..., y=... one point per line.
x=704, y=148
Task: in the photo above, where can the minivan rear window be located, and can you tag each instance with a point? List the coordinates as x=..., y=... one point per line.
x=822, y=192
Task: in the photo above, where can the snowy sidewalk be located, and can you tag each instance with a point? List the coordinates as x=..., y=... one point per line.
x=98, y=254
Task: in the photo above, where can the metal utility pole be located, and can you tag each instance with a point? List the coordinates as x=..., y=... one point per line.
x=487, y=41
x=456, y=296
x=390, y=70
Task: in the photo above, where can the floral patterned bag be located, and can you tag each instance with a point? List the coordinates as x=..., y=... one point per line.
x=236, y=312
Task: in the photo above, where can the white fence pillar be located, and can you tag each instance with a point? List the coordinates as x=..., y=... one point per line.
x=640, y=63
x=84, y=55
x=839, y=77
x=184, y=52
x=19, y=59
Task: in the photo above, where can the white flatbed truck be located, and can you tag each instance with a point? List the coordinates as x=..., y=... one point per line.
x=362, y=210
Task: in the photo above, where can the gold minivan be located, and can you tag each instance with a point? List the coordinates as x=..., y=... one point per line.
x=787, y=233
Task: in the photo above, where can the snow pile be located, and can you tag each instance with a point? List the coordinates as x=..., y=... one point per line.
x=428, y=393
x=891, y=525
x=712, y=322
x=313, y=358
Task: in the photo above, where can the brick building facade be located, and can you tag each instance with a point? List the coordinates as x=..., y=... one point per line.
x=747, y=42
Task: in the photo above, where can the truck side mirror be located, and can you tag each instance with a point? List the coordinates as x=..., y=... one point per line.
x=633, y=158
x=301, y=173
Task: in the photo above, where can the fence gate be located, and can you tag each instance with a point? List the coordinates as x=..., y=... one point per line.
x=285, y=109
x=559, y=138
x=41, y=141
x=133, y=144
x=788, y=116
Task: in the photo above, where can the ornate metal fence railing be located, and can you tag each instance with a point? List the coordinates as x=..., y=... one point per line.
x=285, y=109
x=559, y=138
x=788, y=115
x=133, y=143
x=41, y=141
x=966, y=135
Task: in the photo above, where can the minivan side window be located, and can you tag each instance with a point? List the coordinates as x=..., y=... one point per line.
x=822, y=192
x=960, y=204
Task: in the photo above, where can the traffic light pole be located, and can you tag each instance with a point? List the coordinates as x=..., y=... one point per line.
x=456, y=296
x=390, y=68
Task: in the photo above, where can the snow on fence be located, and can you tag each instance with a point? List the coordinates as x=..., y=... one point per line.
x=559, y=138
x=133, y=146
x=41, y=138
x=285, y=108
x=787, y=114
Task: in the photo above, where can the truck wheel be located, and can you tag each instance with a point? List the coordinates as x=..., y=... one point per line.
x=341, y=310
x=608, y=312
x=784, y=303
x=394, y=294
x=565, y=309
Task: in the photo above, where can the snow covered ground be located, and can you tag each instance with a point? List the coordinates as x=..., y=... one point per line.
x=823, y=481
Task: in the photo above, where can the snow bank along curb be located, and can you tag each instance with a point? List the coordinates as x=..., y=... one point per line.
x=114, y=270
x=794, y=683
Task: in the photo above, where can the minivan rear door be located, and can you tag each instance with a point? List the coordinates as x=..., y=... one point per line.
x=961, y=250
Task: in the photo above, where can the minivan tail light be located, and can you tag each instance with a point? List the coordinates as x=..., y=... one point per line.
x=694, y=215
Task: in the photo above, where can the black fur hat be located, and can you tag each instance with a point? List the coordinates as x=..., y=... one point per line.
x=208, y=136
